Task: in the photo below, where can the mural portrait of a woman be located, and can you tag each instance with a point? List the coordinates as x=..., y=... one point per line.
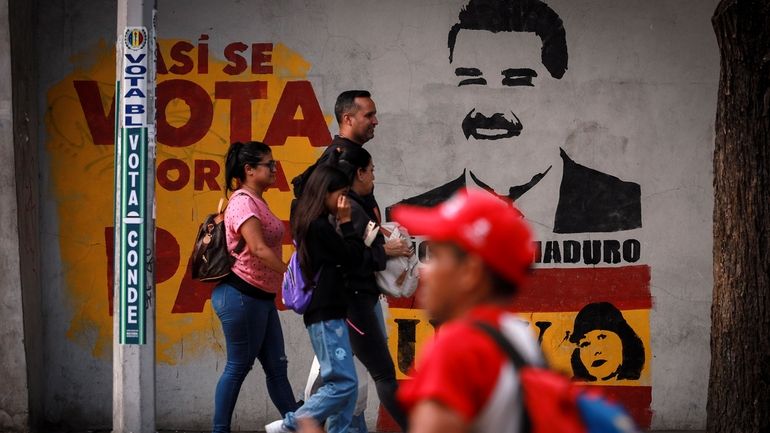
x=607, y=346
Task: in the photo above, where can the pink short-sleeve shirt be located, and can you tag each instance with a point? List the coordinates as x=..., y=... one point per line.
x=242, y=206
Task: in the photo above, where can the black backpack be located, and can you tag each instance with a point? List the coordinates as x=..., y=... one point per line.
x=211, y=261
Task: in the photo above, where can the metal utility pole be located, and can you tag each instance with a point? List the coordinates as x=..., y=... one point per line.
x=133, y=375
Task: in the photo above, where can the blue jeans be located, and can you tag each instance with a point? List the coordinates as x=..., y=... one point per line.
x=252, y=330
x=336, y=398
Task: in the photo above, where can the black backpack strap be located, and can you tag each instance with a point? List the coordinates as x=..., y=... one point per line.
x=515, y=357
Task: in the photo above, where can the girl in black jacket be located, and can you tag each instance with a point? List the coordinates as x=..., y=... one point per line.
x=324, y=256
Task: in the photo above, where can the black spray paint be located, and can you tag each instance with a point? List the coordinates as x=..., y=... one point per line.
x=532, y=16
x=474, y=124
x=589, y=200
x=605, y=316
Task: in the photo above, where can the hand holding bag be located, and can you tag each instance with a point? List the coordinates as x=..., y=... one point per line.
x=400, y=276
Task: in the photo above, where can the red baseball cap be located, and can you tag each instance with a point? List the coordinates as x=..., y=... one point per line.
x=480, y=223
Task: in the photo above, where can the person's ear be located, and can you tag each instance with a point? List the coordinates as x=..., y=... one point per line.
x=360, y=174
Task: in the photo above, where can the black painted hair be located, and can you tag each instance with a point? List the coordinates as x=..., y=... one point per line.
x=325, y=179
x=605, y=316
x=532, y=16
x=353, y=158
x=346, y=102
x=238, y=156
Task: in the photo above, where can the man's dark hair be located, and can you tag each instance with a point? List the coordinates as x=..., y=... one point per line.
x=346, y=102
x=531, y=16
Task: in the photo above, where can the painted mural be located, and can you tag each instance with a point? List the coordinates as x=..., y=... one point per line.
x=587, y=200
x=258, y=91
x=589, y=300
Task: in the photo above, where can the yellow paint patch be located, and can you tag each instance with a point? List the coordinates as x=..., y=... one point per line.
x=554, y=328
x=82, y=176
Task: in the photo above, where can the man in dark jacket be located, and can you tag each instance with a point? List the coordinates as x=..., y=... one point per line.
x=356, y=115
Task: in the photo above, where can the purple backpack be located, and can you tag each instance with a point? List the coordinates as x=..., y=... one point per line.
x=296, y=292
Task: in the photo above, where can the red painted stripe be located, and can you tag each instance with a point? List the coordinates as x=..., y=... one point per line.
x=410, y=302
x=286, y=240
x=570, y=289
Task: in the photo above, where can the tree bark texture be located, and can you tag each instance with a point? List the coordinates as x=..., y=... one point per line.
x=739, y=386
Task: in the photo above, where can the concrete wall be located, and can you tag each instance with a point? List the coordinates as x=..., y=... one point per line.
x=633, y=112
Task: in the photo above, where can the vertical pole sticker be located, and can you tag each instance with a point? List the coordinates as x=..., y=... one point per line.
x=133, y=181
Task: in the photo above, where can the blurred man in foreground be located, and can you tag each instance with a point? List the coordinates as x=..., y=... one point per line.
x=480, y=253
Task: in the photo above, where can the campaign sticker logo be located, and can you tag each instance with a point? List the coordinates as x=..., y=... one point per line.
x=136, y=38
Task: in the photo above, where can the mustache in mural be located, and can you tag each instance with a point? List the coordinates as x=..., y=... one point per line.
x=474, y=125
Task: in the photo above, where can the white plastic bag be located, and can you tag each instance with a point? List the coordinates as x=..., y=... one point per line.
x=400, y=276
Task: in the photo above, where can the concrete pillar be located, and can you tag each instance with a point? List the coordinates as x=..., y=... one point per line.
x=134, y=364
x=20, y=315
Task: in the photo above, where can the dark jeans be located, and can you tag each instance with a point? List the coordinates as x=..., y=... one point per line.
x=371, y=349
x=252, y=330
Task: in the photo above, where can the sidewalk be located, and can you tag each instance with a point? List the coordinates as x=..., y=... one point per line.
x=262, y=431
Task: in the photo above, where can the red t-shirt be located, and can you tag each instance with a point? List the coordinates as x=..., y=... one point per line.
x=464, y=369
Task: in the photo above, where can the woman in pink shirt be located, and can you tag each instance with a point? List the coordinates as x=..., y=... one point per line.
x=245, y=300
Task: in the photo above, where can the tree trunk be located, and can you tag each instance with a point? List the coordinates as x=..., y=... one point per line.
x=739, y=387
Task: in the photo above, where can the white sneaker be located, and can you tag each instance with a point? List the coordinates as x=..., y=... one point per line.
x=276, y=427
